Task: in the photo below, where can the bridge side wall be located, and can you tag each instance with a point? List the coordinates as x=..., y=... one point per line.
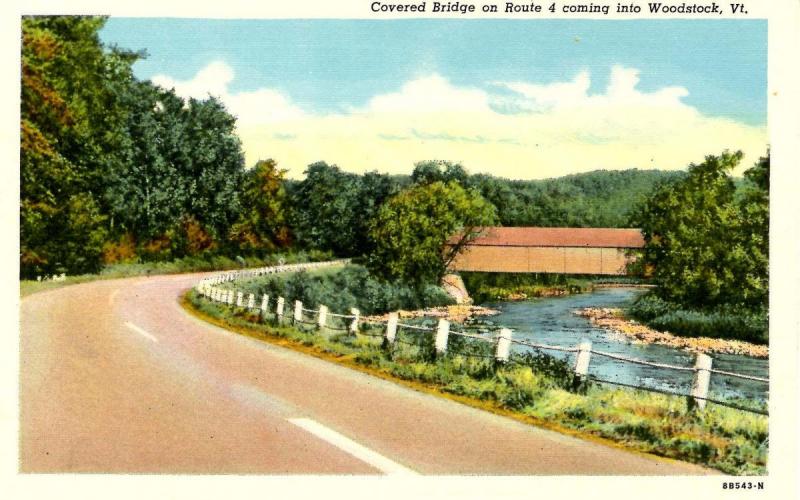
x=563, y=260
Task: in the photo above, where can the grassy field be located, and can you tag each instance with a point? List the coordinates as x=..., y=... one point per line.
x=531, y=387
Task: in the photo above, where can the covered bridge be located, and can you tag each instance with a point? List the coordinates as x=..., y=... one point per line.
x=565, y=250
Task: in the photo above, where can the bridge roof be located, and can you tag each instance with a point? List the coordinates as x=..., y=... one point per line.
x=559, y=237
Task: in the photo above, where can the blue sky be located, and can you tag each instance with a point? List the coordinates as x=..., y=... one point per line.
x=334, y=68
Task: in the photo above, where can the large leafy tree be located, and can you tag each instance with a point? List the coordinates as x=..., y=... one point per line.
x=412, y=228
x=71, y=119
x=324, y=206
x=706, y=248
x=754, y=235
x=332, y=208
x=185, y=170
x=148, y=194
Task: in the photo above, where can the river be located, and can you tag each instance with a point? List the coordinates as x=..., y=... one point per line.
x=551, y=321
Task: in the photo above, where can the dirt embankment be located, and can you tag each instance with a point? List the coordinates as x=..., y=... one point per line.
x=613, y=320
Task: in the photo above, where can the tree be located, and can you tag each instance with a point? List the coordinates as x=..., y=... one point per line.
x=324, y=206
x=412, y=228
x=706, y=249
x=262, y=224
x=149, y=193
x=332, y=208
x=754, y=235
x=183, y=172
x=71, y=122
x=427, y=172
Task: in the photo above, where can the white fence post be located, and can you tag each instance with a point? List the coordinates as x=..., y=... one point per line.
x=503, y=345
x=702, y=379
x=356, y=316
x=298, y=311
x=264, y=305
x=582, y=359
x=391, y=328
x=239, y=296
x=323, y=315
x=279, y=309
x=442, y=332
x=230, y=297
x=251, y=302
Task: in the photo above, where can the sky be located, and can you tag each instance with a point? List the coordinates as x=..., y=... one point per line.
x=515, y=98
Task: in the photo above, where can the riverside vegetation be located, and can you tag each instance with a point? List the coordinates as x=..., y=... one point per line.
x=532, y=387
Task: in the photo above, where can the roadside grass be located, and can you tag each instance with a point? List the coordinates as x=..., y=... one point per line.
x=532, y=387
x=177, y=266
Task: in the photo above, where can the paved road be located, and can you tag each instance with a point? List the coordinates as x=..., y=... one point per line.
x=116, y=377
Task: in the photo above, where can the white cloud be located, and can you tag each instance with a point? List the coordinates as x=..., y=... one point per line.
x=211, y=80
x=560, y=94
x=621, y=92
x=542, y=130
x=430, y=94
x=259, y=106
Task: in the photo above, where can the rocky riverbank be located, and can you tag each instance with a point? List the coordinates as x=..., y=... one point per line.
x=613, y=320
x=457, y=313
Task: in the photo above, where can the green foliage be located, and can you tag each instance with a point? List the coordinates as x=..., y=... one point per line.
x=106, y=158
x=185, y=161
x=601, y=198
x=486, y=287
x=722, y=322
x=262, y=224
x=428, y=172
x=411, y=229
x=696, y=242
x=707, y=246
x=342, y=289
x=332, y=209
x=70, y=122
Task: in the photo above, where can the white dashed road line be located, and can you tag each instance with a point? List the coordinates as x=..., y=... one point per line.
x=141, y=332
x=349, y=446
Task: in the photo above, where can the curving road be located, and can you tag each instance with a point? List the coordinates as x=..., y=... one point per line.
x=116, y=377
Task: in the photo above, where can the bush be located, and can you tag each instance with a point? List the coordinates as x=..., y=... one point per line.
x=486, y=287
x=721, y=322
x=351, y=286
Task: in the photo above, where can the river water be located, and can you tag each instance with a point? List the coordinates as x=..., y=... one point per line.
x=552, y=321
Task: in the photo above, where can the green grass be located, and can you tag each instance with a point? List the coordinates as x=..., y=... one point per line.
x=534, y=388
x=736, y=323
x=488, y=287
x=184, y=265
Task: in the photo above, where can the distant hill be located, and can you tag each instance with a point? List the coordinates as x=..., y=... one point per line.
x=601, y=198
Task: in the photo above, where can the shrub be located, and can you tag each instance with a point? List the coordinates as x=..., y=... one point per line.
x=720, y=322
x=342, y=289
x=122, y=250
